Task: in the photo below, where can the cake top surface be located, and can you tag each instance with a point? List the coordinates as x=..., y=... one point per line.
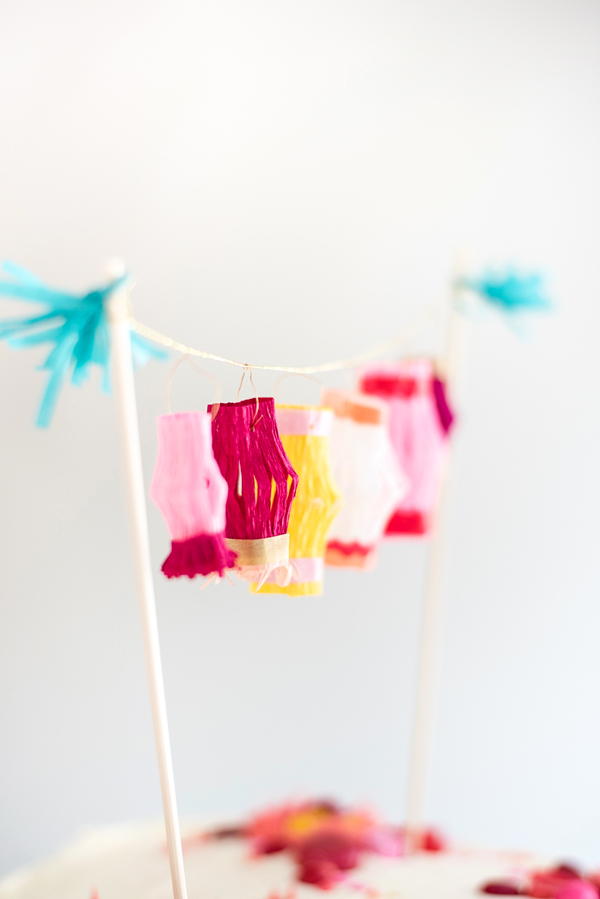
x=132, y=863
x=294, y=851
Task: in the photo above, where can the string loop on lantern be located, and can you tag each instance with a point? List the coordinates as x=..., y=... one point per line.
x=205, y=374
x=249, y=369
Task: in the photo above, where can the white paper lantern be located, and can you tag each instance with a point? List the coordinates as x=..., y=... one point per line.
x=368, y=476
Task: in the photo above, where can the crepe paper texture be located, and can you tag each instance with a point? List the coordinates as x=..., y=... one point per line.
x=509, y=290
x=418, y=433
x=76, y=327
x=368, y=474
x=191, y=493
x=304, y=433
x=262, y=485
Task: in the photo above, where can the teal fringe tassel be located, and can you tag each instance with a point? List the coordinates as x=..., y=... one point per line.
x=74, y=325
x=510, y=291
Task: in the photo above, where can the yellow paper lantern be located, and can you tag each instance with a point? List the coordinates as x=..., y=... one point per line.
x=304, y=433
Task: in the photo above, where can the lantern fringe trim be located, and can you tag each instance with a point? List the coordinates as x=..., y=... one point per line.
x=203, y=554
x=350, y=555
x=409, y=523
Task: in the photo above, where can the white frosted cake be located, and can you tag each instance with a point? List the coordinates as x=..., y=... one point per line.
x=133, y=864
x=295, y=852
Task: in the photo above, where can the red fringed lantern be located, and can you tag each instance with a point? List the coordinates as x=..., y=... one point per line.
x=190, y=491
x=262, y=485
x=419, y=422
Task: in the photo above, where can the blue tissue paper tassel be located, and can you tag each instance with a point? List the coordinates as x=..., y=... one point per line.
x=75, y=326
x=509, y=291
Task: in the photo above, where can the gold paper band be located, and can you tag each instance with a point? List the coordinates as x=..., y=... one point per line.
x=266, y=551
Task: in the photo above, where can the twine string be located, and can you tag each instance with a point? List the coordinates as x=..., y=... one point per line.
x=416, y=326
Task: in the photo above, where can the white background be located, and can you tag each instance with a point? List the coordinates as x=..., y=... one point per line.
x=289, y=182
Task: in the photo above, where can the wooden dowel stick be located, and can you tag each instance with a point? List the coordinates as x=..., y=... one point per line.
x=428, y=657
x=124, y=386
x=420, y=749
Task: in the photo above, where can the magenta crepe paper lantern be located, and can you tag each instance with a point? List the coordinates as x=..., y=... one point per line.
x=262, y=485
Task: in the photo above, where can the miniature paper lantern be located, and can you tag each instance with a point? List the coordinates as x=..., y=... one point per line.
x=262, y=485
x=190, y=491
x=368, y=475
x=304, y=432
x=419, y=422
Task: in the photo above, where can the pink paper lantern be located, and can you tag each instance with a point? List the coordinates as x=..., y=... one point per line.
x=191, y=493
x=419, y=421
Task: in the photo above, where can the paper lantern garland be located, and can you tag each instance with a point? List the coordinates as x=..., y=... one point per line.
x=304, y=432
x=368, y=475
x=419, y=420
x=190, y=491
x=262, y=485
x=266, y=502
